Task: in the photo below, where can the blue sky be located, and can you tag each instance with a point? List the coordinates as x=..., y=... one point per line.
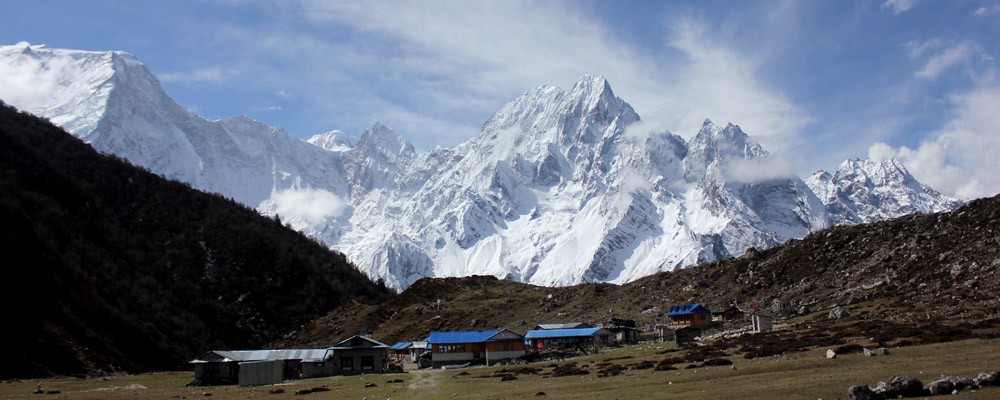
x=816, y=82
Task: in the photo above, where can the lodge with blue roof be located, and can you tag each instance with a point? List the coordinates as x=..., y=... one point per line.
x=689, y=315
x=474, y=347
x=586, y=339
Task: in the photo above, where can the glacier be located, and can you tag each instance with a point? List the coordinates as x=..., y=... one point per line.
x=555, y=189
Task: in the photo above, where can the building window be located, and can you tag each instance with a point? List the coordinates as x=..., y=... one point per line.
x=346, y=363
x=451, y=348
x=367, y=363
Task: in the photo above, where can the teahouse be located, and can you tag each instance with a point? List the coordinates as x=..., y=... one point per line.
x=474, y=347
x=689, y=315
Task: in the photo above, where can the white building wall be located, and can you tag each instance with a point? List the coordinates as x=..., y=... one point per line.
x=452, y=356
x=499, y=355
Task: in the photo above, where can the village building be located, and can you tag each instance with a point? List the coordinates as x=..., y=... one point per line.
x=686, y=334
x=663, y=332
x=418, y=349
x=761, y=323
x=362, y=355
x=565, y=325
x=474, y=347
x=401, y=351
x=408, y=351
x=731, y=314
x=624, y=330
x=689, y=315
x=219, y=367
x=584, y=339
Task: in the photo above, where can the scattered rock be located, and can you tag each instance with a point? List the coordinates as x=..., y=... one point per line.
x=540, y=394
x=831, y=354
x=838, y=313
x=276, y=391
x=961, y=383
x=940, y=386
x=900, y=386
x=370, y=385
x=860, y=392
x=991, y=378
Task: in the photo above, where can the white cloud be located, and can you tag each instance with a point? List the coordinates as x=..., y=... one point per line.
x=721, y=84
x=459, y=59
x=962, y=158
x=312, y=206
x=201, y=75
x=950, y=57
x=985, y=11
x=898, y=6
x=761, y=170
x=918, y=49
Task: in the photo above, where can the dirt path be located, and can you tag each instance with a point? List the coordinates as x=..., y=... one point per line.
x=424, y=381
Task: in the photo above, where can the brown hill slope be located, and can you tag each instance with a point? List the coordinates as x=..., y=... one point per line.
x=108, y=267
x=918, y=270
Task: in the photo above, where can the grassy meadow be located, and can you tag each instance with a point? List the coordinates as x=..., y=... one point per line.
x=805, y=375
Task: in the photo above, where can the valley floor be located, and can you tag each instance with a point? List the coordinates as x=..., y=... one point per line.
x=800, y=375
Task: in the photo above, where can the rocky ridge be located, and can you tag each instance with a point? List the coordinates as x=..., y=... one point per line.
x=919, y=277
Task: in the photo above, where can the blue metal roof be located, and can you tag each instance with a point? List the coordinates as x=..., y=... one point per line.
x=401, y=345
x=686, y=309
x=561, y=333
x=468, y=337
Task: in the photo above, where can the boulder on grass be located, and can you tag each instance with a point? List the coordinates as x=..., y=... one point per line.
x=991, y=378
x=860, y=392
x=940, y=386
x=900, y=386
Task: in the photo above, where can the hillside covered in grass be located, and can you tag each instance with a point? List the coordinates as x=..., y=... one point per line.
x=111, y=268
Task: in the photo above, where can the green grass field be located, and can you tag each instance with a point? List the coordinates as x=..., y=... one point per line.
x=806, y=375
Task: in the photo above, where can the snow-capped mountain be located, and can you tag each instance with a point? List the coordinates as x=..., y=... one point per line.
x=113, y=102
x=863, y=191
x=555, y=190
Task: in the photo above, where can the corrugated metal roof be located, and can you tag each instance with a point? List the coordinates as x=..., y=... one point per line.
x=565, y=325
x=685, y=309
x=262, y=355
x=402, y=345
x=560, y=333
x=346, y=343
x=469, y=336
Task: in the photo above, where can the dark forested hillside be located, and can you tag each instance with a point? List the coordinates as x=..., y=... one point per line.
x=108, y=267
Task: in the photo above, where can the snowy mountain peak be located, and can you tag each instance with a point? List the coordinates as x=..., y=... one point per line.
x=69, y=87
x=384, y=141
x=593, y=89
x=334, y=140
x=713, y=148
x=549, y=115
x=869, y=190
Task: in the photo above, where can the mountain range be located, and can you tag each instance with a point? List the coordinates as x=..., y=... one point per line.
x=560, y=187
